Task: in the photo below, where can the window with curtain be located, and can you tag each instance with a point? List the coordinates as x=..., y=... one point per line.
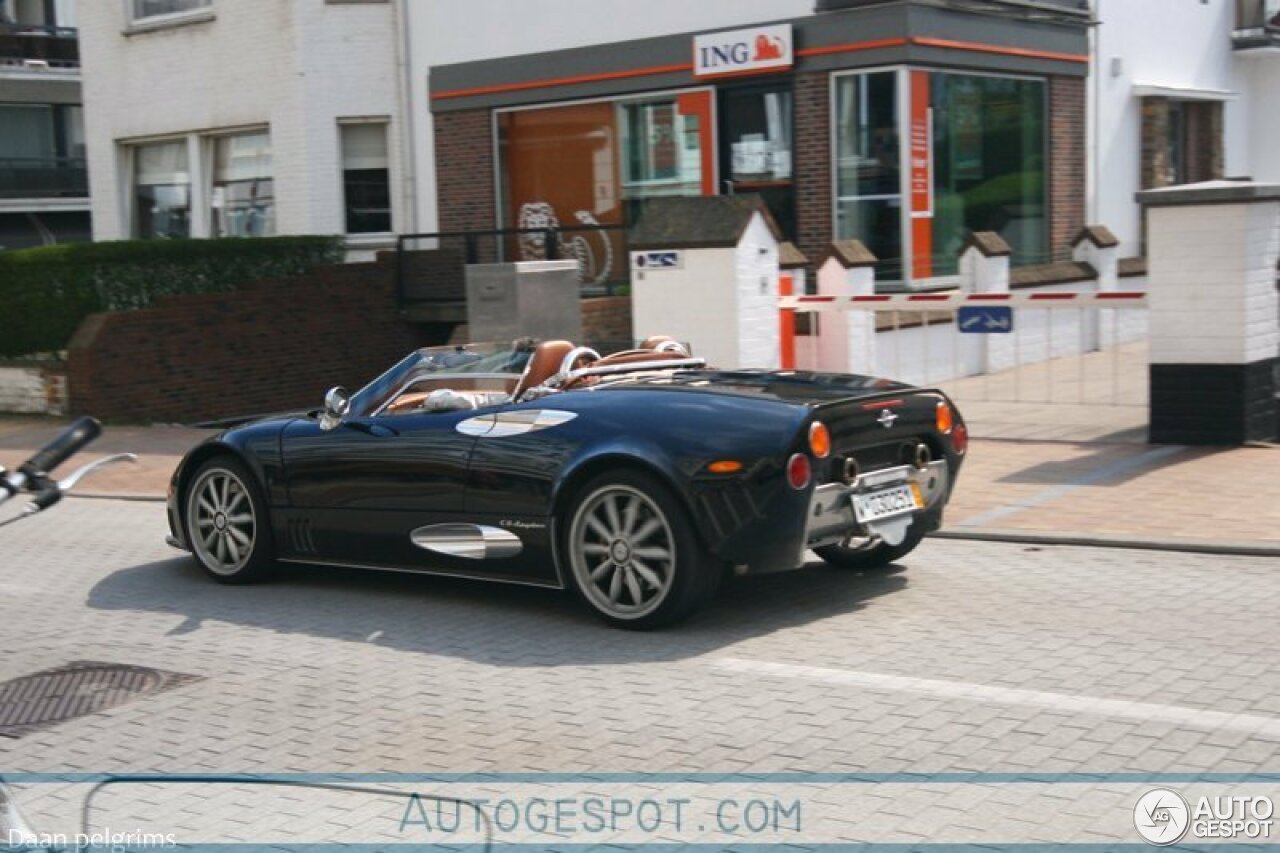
x=366, y=177
x=243, y=192
x=141, y=9
x=27, y=132
x=162, y=190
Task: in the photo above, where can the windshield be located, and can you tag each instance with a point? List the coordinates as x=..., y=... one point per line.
x=466, y=360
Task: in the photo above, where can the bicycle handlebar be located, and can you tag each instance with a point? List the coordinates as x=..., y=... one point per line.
x=62, y=448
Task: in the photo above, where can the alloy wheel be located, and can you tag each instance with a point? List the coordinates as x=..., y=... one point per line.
x=223, y=528
x=622, y=551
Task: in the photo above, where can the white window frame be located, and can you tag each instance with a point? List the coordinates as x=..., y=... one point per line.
x=135, y=24
x=367, y=236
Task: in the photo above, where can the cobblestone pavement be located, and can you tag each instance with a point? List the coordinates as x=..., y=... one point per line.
x=972, y=656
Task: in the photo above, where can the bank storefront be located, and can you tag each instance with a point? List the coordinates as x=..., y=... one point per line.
x=907, y=126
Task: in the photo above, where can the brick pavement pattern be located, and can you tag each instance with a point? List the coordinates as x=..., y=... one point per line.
x=971, y=657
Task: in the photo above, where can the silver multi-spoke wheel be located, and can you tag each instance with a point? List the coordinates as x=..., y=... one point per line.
x=222, y=523
x=622, y=552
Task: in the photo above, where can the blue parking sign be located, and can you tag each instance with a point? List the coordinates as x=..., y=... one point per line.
x=985, y=319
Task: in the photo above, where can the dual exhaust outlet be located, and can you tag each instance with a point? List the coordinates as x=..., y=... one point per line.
x=917, y=454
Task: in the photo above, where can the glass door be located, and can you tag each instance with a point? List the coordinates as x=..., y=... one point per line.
x=869, y=167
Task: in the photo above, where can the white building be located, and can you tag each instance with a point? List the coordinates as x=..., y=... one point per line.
x=214, y=118
x=210, y=117
x=44, y=191
x=1181, y=90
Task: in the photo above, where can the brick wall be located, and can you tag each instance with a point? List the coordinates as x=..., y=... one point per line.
x=606, y=320
x=464, y=170
x=812, y=161
x=1067, y=123
x=269, y=346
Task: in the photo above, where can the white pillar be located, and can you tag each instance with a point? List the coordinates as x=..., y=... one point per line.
x=1099, y=248
x=1213, y=252
x=984, y=268
x=847, y=339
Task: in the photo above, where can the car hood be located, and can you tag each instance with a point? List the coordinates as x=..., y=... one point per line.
x=801, y=387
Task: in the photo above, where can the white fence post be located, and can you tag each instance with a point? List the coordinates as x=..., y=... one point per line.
x=984, y=268
x=1099, y=248
x=847, y=339
x=1213, y=250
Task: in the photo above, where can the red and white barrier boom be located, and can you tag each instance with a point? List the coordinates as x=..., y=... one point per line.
x=934, y=301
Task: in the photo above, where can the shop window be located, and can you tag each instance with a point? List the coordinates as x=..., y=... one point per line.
x=243, y=192
x=162, y=190
x=579, y=166
x=869, y=168
x=989, y=165
x=756, y=146
x=366, y=178
x=662, y=148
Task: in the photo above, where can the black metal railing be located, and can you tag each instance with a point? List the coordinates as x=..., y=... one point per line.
x=43, y=177
x=430, y=267
x=25, y=44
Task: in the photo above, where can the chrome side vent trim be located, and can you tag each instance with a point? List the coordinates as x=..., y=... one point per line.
x=300, y=536
x=518, y=422
x=469, y=541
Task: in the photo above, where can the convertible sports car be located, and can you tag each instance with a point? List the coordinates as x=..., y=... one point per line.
x=637, y=479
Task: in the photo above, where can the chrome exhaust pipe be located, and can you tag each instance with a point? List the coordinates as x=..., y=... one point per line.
x=923, y=456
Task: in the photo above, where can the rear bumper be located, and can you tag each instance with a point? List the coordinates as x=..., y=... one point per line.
x=831, y=518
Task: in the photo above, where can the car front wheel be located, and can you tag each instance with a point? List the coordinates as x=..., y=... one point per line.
x=632, y=553
x=227, y=526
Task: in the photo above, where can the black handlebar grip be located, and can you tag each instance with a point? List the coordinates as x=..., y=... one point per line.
x=46, y=498
x=63, y=447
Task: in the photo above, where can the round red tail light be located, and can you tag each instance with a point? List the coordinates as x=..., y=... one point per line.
x=798, y=471
x=960, y=438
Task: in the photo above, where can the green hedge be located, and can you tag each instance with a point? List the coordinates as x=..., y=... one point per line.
x=46, y=292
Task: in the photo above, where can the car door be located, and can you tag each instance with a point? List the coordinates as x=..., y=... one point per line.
x=358, y=491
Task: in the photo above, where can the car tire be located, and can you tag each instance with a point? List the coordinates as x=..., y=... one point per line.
x=631, y=552
x=870, y=554
x=227, y=524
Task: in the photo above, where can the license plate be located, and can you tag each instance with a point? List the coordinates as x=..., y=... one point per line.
x=886, y=503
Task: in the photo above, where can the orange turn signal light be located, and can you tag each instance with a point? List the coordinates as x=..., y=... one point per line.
x=819, y=440
x=943, y=418
x=725, y=466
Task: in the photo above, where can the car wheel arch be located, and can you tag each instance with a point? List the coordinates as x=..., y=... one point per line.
x=588, y=469
x=197, y=458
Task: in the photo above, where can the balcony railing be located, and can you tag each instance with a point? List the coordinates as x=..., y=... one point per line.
x=38, y=46
x=1257, y=23
x=53, y=177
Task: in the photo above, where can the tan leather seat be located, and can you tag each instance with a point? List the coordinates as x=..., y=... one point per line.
x=543, y=364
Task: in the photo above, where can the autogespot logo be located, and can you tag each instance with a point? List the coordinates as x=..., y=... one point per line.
x=1162, y=816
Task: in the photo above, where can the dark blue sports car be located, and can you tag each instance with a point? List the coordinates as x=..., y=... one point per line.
x=637, y=479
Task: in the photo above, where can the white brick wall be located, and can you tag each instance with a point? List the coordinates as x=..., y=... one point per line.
x=1213, y=274
x=32, y=390
x=294, y=65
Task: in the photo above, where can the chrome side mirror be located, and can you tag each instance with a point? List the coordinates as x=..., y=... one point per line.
x=337, y=401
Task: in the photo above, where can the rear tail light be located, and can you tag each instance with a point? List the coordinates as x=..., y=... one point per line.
x=943, y=417
x=960, y=438
x=799, y=471
x=819, y=440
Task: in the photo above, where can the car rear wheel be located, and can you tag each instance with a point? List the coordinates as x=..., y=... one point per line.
x=632, y=552
x=866, y=553
x=227, y=525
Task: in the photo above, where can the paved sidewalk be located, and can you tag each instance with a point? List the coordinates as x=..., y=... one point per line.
x=1107, y=491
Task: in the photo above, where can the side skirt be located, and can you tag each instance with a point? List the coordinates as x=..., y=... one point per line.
x=444, y=573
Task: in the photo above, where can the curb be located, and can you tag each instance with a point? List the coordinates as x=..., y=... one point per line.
x=136, y=498
x=1187, y=546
